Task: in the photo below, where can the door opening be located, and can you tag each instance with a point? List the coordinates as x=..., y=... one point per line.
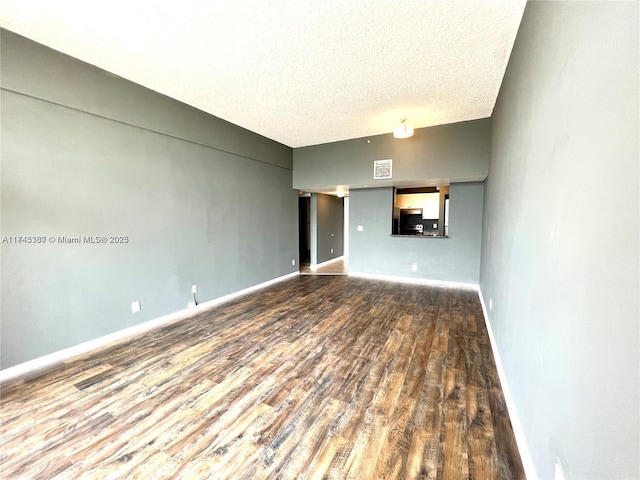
x=304, y=230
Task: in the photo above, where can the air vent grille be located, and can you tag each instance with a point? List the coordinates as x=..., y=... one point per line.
x=382, y=169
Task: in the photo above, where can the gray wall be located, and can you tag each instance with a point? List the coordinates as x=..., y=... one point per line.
x=330, y=227
x=565, y=289
x=455, y=258
x=457, y=152
x=87, y=153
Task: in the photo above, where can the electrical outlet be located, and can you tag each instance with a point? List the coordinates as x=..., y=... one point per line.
x=293, y=261
x=414, y=267
x=332, y=250
x=359, y=228
x=435, y=225
x=194, y=288
x=135, y=306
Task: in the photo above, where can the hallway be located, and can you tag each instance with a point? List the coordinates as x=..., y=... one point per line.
x=339, y=266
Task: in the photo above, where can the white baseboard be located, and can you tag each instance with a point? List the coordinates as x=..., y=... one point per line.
x=82, y=348
x=523, y=448
x=416, y=281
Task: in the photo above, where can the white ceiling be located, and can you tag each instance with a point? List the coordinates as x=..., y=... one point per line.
x=301, y=72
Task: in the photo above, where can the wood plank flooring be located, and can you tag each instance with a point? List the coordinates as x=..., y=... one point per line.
x=318, y=377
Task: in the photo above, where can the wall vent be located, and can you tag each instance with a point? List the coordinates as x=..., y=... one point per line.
x=382, y=169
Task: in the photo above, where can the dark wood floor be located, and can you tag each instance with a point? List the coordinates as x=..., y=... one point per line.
x=316, y=377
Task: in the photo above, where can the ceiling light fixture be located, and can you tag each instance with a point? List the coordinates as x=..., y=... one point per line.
x=404, y=130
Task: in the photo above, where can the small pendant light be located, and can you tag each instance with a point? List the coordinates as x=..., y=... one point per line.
x=404, y=130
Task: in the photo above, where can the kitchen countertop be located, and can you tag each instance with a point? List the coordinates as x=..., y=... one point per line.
x=417, y=236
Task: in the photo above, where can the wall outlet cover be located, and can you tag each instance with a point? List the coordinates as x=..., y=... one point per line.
x=194, y=288
x=414, y=267
x=135, y=306
x=293, y=261
x=359, y=228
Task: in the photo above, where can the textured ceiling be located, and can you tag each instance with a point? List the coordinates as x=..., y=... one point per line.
x=299, y=72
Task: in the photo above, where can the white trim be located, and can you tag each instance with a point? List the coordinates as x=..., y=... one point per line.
x=416, y=281
x=318, y=265
x=82, y=348
x=521, y=441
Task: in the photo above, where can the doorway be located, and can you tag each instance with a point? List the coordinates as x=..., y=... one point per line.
x=304, y=230
x=323, y=233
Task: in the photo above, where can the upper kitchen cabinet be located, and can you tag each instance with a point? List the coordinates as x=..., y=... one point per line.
x=428, y=202
x=411, y=200
x=430, y=205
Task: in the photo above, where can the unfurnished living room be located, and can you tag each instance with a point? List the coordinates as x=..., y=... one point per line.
x=320, y=240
